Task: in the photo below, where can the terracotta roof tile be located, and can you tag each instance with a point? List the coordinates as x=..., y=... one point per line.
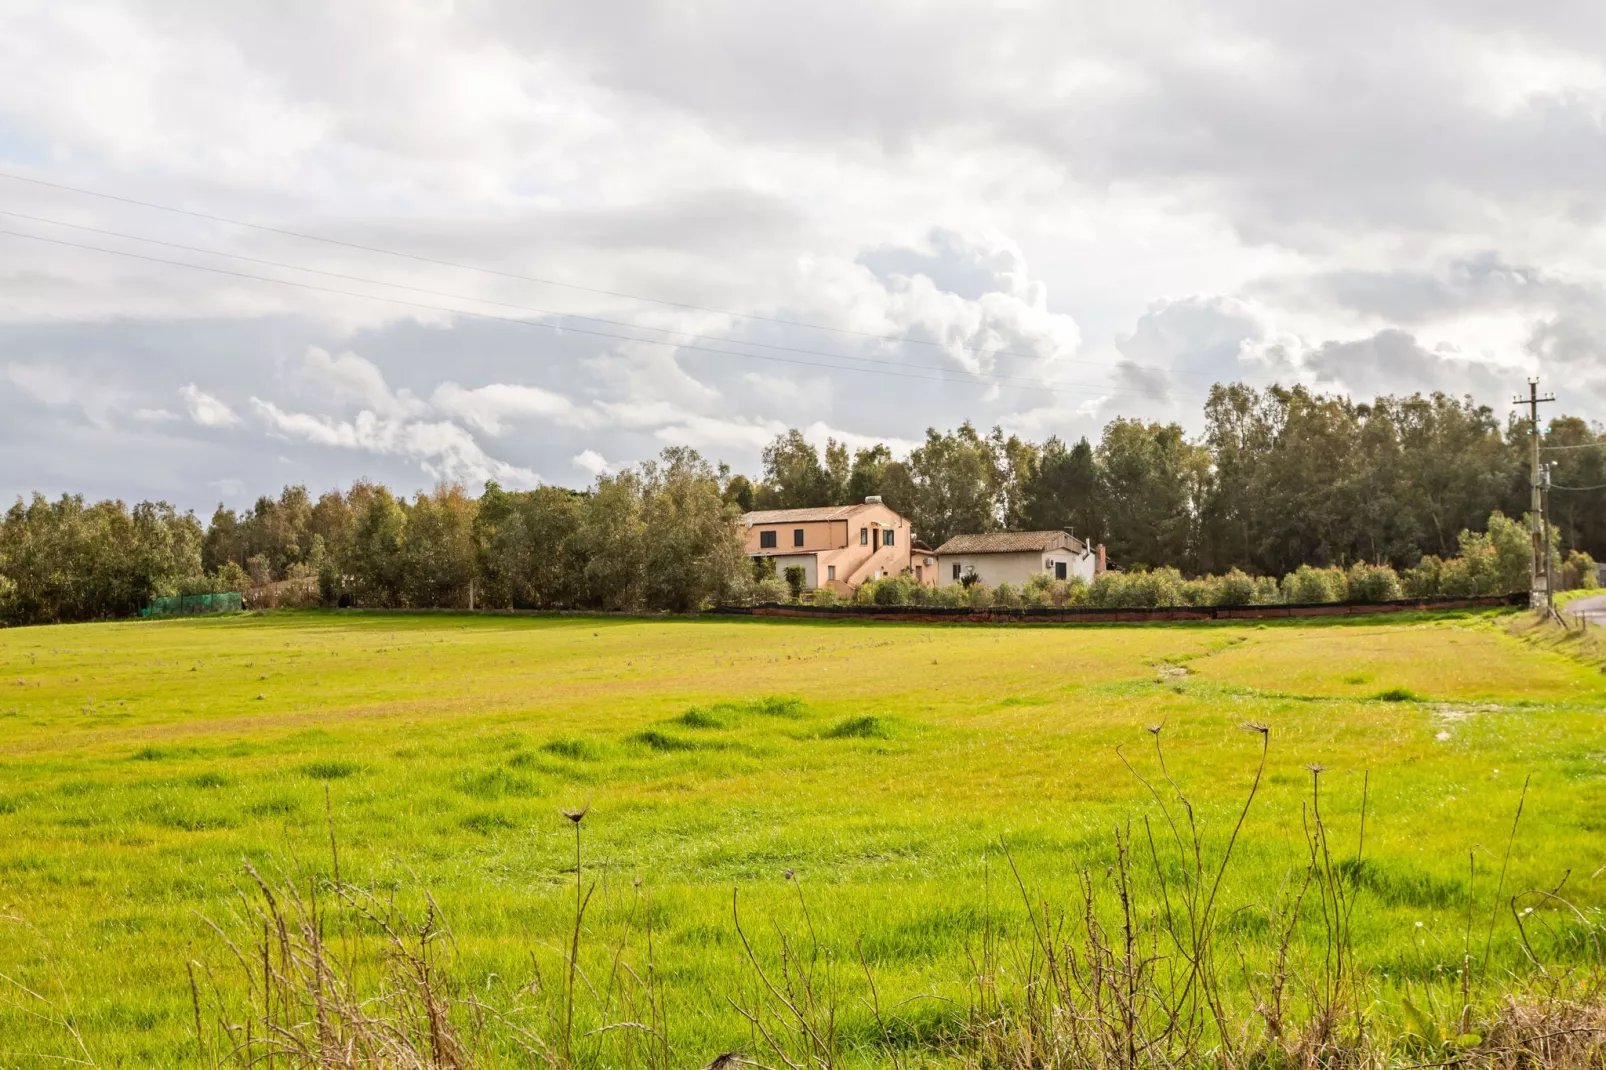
x=802, y=516
x=1011, y=542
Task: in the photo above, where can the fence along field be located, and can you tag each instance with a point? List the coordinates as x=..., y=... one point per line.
x=884, y=801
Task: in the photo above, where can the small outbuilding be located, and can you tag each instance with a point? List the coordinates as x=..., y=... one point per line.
x=1014, y=557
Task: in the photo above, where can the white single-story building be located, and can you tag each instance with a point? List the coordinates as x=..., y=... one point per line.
x=1014, y=557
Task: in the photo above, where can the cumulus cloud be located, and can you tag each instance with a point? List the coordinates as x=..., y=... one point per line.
x=592, y=463
x=54, y=385
x=820, y=432
x=354, y=379
x=207, y=410
x=1151, y=383
x=972, y=296
x=1393, y=361
x=490, y=408
x=442, y=449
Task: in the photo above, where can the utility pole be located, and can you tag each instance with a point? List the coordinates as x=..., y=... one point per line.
x=1544, y=514
x=1539, y=565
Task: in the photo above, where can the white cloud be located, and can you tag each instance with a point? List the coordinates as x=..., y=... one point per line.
x=51, y=384
x=819, y=432
x=155, y=416
x=351, y=378
x=207, y=410
x=442, y=449
x=592, y=463
x=489, y=408
x=44, y=383
x=714, y=433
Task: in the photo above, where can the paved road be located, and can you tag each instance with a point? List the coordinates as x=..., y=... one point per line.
x=1592, y=609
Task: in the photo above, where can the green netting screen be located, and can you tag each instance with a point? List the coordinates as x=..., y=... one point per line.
x=185, y=604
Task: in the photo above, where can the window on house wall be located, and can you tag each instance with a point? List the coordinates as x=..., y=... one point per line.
x=797, y=536
x=956, y=570
x=1059, y=570
x=886, y=537
x=917, y=573
x=830, y=572
x=864, y=536
x=766, y=540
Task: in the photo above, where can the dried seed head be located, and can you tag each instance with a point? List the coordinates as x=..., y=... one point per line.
x=576, y=815
x=787, y=874
x=1256, y=726
x=1316, y=769
x=1154, y=729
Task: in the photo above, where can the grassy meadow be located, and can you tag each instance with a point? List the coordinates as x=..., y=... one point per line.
x=860, y=780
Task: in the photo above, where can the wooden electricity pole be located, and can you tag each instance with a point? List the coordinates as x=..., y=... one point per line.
x=1539, y=565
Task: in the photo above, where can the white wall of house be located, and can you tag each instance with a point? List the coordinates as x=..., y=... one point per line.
x=1016, y=568
x=810, y=563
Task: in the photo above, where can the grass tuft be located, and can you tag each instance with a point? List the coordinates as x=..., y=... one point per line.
x=777, y=706
x=486, y=822
x=699, y=717
x=1398, y=694
x=665, y=743
x=494, y=784
x=865, y=727
x=576, y=750
x=330, y=769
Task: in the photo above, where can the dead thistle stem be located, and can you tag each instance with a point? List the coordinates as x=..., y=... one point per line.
x=875, y=1007
x=576, y=817
x=1500, y=887
x=195, y=1003
x=809, y=1019
x=1466, y=944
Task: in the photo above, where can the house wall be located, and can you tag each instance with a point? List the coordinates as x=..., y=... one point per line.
x=857, y=562
x=1016, y=568
x=808, y=561
x=817, y=535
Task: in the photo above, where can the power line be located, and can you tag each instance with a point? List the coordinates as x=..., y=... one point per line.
x=556, y=328
x=990, y=376
x=1579, y=446
x=458, y=265
x=1597, y=486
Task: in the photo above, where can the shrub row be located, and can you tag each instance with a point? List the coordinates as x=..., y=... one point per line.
x=1491, y=562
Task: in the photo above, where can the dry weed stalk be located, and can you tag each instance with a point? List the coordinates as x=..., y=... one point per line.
x=319, y=993
x=793, y=1010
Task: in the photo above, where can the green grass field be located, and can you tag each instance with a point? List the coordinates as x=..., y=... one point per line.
x=886, y=767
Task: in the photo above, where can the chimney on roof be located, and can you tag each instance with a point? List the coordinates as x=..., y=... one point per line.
x=872, y=499
x=1102, y=562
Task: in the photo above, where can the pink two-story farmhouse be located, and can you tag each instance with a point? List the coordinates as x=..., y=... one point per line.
x=839, y=546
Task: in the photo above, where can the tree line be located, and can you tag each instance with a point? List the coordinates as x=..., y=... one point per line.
x=1280, y=478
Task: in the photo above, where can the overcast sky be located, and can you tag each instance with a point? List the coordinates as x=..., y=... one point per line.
x=628, y=225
